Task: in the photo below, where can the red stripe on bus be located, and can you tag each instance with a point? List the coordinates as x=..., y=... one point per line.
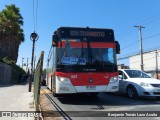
x=84, y=79
x=102, y=45
x=92, y=44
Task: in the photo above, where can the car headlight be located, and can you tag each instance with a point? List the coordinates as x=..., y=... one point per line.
x=144, y=84
x=114, y=79
x=64, y=80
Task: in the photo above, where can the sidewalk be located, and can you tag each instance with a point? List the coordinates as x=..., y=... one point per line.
x=16, y=98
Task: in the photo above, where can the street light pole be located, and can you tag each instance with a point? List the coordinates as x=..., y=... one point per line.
x=34, y=63
x=34, y=37
x=22, y=62
x=27, y=65
x=141, y=48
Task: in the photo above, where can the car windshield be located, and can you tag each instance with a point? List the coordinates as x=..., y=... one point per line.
x=136, y=74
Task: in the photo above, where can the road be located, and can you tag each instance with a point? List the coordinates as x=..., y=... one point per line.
x=78, y=104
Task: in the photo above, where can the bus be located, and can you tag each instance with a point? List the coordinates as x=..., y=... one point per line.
x=82, y=60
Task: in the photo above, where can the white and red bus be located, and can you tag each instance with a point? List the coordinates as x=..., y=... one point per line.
x=83, y=60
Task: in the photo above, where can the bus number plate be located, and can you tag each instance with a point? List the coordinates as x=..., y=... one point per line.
x=90, y=87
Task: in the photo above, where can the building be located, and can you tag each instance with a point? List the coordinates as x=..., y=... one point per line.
x=122, y=66
x=151, y=62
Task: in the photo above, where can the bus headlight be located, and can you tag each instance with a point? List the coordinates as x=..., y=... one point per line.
x=114, y=79
x=64, y=80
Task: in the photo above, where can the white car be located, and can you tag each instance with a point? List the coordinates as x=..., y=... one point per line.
x=137, y=83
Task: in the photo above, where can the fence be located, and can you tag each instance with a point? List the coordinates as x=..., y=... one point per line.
x=37, y=80
x=5, y=73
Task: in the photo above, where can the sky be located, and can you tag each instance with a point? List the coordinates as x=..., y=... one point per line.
x=45, y=16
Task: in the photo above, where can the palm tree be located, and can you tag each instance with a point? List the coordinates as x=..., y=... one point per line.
x=11, y=34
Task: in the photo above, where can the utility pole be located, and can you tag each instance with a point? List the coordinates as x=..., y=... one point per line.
x=141, y=48
x=34, y=37
x=156, y=64
x=22, y=62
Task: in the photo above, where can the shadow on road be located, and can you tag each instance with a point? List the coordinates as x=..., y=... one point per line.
x=106, y=99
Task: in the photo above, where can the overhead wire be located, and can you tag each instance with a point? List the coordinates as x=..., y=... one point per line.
x=35, y=14
x=138, y=41
x=137, y=53
x=149, y=19
x=143, y=21
x=33, y=17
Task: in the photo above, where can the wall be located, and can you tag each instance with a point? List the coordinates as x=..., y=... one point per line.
x=5, y=73
x=149, y=61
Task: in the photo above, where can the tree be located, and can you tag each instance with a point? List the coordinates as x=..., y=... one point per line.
x=44, y=72
x=11, y=34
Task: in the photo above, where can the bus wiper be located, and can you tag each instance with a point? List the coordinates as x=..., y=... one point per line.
x=90, y=55
x=82, y=54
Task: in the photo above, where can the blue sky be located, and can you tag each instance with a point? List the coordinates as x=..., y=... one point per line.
x=119, y=15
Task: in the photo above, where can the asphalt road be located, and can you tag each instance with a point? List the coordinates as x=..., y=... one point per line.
x=90, y=108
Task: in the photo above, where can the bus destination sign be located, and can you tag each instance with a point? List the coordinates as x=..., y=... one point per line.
x=92, y=34
x=87, y=33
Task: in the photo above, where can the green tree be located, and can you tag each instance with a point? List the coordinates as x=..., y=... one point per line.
x=44, y=72
x=11, y=34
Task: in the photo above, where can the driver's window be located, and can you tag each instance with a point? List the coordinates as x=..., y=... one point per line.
x=125, y=77
x=122, y=75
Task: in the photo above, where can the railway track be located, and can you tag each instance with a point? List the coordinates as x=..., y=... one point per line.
x=59, y=112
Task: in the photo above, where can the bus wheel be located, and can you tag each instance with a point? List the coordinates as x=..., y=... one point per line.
x=55, y=94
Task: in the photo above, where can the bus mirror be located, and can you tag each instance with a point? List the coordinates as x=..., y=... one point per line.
x=55, y=40
x=117, y=47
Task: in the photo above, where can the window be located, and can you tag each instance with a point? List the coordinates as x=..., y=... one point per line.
x=122, y=74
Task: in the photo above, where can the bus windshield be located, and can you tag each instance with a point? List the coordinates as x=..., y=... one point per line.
x=74, y=52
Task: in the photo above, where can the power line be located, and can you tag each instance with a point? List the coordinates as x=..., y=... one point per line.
x=35, y=14
x=149, y=19
x=142, y=22
x=138, y=41
x=152, y=36
x=136, y=53
x=33, y=17
x=130, y=44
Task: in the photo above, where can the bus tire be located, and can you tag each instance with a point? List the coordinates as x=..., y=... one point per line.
x=55, y=94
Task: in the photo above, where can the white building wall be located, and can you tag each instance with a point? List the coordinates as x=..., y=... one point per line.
x=149, y=61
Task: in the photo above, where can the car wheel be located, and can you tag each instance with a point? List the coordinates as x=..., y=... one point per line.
x=132, y=92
